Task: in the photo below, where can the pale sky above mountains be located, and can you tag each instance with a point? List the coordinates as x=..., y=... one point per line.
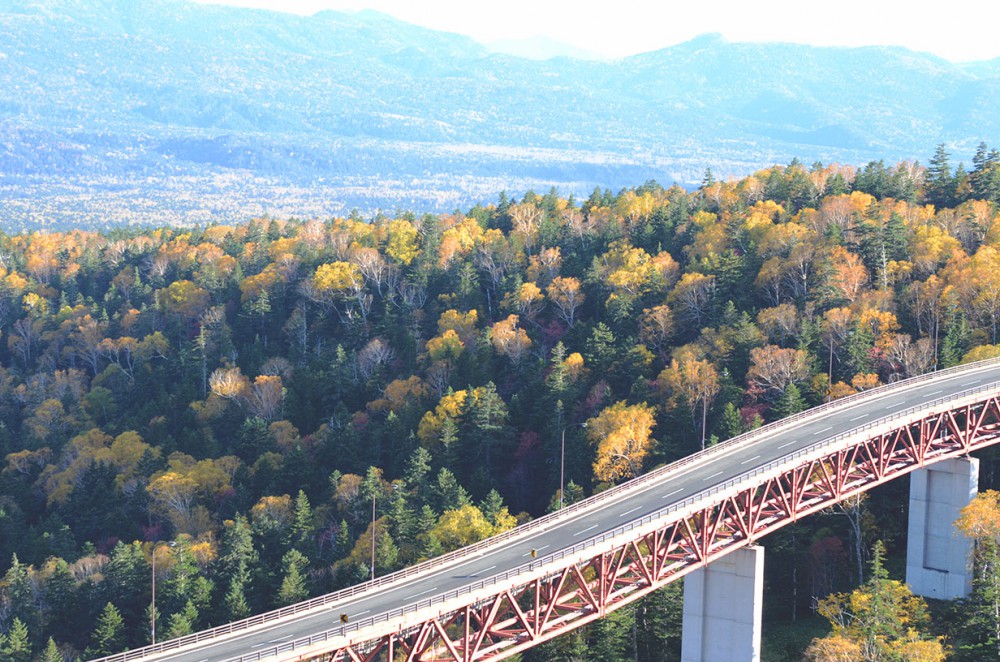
x=960, y=31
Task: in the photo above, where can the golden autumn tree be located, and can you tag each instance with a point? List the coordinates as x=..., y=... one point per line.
x=694, y=381
x=980, y=522
x=567, y=296
x=880, y=621
x=510, y=340
x=622, y=435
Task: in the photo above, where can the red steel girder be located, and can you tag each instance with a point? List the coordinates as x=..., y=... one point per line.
x=521, y=616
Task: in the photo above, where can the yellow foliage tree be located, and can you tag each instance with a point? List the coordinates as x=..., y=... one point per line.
x=466, y=525
x=622, y=434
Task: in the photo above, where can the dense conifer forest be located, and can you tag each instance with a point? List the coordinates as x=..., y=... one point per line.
x=232, y=399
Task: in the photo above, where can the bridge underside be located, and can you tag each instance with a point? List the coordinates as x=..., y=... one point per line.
x=524, y=616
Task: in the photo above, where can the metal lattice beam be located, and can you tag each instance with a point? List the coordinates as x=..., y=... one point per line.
x=518, y=617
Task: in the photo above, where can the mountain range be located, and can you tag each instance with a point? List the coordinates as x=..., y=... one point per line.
x=140, y=111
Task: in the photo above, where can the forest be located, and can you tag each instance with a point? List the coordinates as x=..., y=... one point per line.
x=222, y=406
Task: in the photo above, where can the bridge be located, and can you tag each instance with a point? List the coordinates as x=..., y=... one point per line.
x=495, y=598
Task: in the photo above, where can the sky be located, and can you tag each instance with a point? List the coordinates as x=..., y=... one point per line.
x=960, y=30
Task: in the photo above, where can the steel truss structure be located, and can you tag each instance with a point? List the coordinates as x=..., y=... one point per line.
x=522, y=616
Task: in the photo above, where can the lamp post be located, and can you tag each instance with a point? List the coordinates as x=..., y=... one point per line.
x=373, y=536
x=562, y=460
x=152, y=604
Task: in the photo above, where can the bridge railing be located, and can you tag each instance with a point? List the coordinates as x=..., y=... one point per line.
x=535, y=525
x=506, y=577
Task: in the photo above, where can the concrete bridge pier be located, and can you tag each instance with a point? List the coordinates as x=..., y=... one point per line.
x=722, y=609
x=938, y=557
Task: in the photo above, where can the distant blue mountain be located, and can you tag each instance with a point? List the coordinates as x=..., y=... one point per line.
x=165, y=110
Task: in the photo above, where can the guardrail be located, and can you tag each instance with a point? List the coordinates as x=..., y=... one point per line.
x=546, y=520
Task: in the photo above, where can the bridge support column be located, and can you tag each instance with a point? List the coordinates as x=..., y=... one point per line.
x=938, y=557
x=722, y=609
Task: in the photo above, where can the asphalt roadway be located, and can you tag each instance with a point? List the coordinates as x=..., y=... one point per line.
x=647, y=498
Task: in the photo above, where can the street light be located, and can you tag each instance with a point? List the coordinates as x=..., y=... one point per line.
x=562, y=459
x=373, y=535
x=152, y=604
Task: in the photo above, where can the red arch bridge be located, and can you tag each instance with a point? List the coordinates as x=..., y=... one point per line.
x=500, y=596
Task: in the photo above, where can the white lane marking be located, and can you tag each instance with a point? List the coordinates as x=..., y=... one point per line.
x=755, y=457
x=537, y=549
x=630, y=511
x=362, y=613
x=417, y=595
x=585, y=530
x=935, y=392
x=858, y=418
x=822, y=431
x=667, y=496
x=483, y=570
x=793, y=441
x=717, y=473
x=898, y=404
x=274, y=641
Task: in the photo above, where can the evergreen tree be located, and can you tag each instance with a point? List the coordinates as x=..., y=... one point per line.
x=17, y=588
x=447, y=494
x=386, y=554
x=789, y=402
x=957, y=341
x=15, y=646
x=940, y=184
x=235, y=605
x=62, y=600
x=293, y=583
x=51, y=653
x=303, y=531
x=126, y=571
x=612, y=638
x=417, y=469
x=984, y=180
x=109, y=633
x=183, y=622
x=732, y=421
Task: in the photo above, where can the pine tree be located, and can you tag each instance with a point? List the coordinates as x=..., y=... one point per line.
x=183, y=622
x=790, y=402
x=940, y=184
x=51, y=652
x=235, y=604
x=18, y=591
x=303, y=531
x=386, y=554
x=127, y=569
x=109, y=633
x=16, y=645
x=418, y=467
x=732, y=421
x=447, y=494
x=293, y=584
x=491, y=505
